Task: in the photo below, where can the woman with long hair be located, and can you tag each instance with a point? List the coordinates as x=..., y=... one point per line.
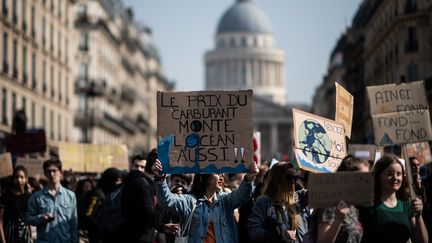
x=394, y=217
x=280, y=214
x=13, y=229
x=212, y=210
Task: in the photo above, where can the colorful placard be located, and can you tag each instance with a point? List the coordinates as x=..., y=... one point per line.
x=400, y=113
x=421, y=151
x=319, y=143
x=93, y=157
x=344, y=108
x=205, y=131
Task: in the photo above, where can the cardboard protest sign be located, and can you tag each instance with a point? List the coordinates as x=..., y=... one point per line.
x=5, y=165
x=319, y=143
x=327, y=189
x=400, y=113
x=363, y=151
x=344, y=108
x=34, y=166
x=93, y=157
x=205, y=131
x=421, y=151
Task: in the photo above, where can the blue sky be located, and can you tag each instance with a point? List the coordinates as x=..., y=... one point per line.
x=306, y=30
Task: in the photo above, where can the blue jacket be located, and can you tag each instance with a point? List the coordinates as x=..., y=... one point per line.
x=64, y=228
x=221, y=212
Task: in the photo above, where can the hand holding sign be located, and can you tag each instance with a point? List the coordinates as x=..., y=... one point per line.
x=253, y=171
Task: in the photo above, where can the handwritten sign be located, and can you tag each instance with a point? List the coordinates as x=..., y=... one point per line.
x=205, y=131
x=400, y=113
x=319, y=143
x=344, y=108
x=93, y=157
x=5, y=165
x=421, y=151
x=34, y=166
x=326, y=190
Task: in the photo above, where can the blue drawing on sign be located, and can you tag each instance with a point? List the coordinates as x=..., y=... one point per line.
x=192, y=140
x=306, y=163
x=314, y=141
x=386, y=139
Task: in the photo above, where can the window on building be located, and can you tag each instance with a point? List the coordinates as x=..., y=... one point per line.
x=83, y=44
x=14, y=104
x=14, y=12
x=244, y=73
x=59, y=9
x=412, y=73
x=244, y=42
x=52, y=125
x=52, y=81
x=5, y=9
x=59, y=45
x=232, y=42
x=5, y=53
x=24, y=103
x=66, y=52
x=82, y=10
x=66, y=91
x=33, y=72
x=411, y=45
x=52, y=7
x=66, y=12
x=410, y=6
x=24, y=15
x=4, y=107
x=43, y=117
x=43, y=32
x=59, y=127
x=84, y=71
x=52, y=38
x=14, y=60
x=33, y=29
x=59, y=86
x=24, y=63
x=44, y=83
x=33, y=114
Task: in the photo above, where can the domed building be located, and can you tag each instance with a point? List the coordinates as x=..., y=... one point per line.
x=246, y=57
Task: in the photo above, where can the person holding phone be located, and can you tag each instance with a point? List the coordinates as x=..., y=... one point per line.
x=53, y=209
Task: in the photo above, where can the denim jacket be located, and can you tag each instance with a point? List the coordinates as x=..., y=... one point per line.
x=221, y=212
x=64, y=228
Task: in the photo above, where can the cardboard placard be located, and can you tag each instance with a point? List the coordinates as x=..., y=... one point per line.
x=327, y=189
x=319, y=143
x=34, y=166
x=205, y=131
x=400, y=113
x=6, y=168
x=363, y=151
x=421, y=151
x=344, y=108
x=93, y=157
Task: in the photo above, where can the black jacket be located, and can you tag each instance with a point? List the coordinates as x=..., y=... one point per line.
x=138, y=207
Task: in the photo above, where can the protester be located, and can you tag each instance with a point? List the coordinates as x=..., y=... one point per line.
x=212, y=219
x=13, y=228
x=53, y=209
x=280, y=214
x=138, y=201
x=89, y=209
x=393, y=218
x=419, y=188
x=340, y=224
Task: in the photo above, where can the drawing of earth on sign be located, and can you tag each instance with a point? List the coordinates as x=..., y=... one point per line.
x=314, y=141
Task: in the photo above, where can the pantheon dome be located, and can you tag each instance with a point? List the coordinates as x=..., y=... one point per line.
x=245, y=56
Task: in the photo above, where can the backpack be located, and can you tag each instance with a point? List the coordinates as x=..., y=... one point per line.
x=108, y=216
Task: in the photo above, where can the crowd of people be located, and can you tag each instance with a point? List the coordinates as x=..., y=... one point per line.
x=267, y=204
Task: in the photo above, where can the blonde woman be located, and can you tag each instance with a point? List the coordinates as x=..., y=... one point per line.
x=279, y=215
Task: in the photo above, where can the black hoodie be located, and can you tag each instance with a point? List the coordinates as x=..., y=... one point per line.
x=138, y=207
